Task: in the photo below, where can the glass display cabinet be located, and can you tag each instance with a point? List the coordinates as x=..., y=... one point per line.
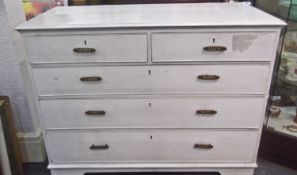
x=279, y=141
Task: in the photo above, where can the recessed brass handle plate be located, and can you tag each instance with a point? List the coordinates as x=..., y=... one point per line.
x=84, y=50
x=91, y=79
x=206, y=112
x=215, y=48
x=208, y=77
x=203, y=146
x=99, y=147
x=95, y=113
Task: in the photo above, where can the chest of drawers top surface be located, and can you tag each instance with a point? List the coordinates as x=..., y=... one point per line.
x=154, y=15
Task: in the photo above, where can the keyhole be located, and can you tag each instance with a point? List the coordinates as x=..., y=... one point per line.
x=149, y=72
x=85, y=42
x=151, y=137
x=213, y=40
x=150, y=104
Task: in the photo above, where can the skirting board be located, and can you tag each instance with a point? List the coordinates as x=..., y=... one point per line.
x=32, y=146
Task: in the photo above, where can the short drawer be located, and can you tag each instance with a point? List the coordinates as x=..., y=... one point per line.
x=235, y=79
x=87, y=48
x=165, y=112
x=152, y=145
x=220, y=46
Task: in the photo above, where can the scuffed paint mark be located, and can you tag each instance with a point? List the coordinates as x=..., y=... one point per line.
x=242, y=42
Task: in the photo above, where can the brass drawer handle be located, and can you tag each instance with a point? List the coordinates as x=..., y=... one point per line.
x=95, y=112
x=206, y=112
x=90, y=79
x=84, y=50
x=203, y=146
x=208, y=77
x=215, y=48
x=99, y=147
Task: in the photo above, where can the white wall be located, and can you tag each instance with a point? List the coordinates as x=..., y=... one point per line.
x=12, y=85
x=11, y=82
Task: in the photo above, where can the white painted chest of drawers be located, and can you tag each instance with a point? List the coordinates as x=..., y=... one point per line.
x=151, y=87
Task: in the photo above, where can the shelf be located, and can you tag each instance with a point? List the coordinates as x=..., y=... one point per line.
x=285, y=118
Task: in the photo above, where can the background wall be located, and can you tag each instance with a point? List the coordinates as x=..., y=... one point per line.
x=11, y=83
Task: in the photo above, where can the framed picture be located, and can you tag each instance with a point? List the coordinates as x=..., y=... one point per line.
x=10, y=157
x=33, y=8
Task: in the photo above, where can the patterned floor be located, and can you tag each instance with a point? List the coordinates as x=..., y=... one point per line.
x=265, y=168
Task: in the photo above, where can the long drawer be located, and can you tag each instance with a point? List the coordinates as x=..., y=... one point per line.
x=235, y=79
x=152, y=145
x=87, y=48
x=199, y=112
x=213, y=46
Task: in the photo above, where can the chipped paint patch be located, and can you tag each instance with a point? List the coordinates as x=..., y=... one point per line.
x=243, y=42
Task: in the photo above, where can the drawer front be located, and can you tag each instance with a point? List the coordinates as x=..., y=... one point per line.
x=239, y=46
x=152, y=145
x=200, y=112
x=87, y=48
x=243, y=79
